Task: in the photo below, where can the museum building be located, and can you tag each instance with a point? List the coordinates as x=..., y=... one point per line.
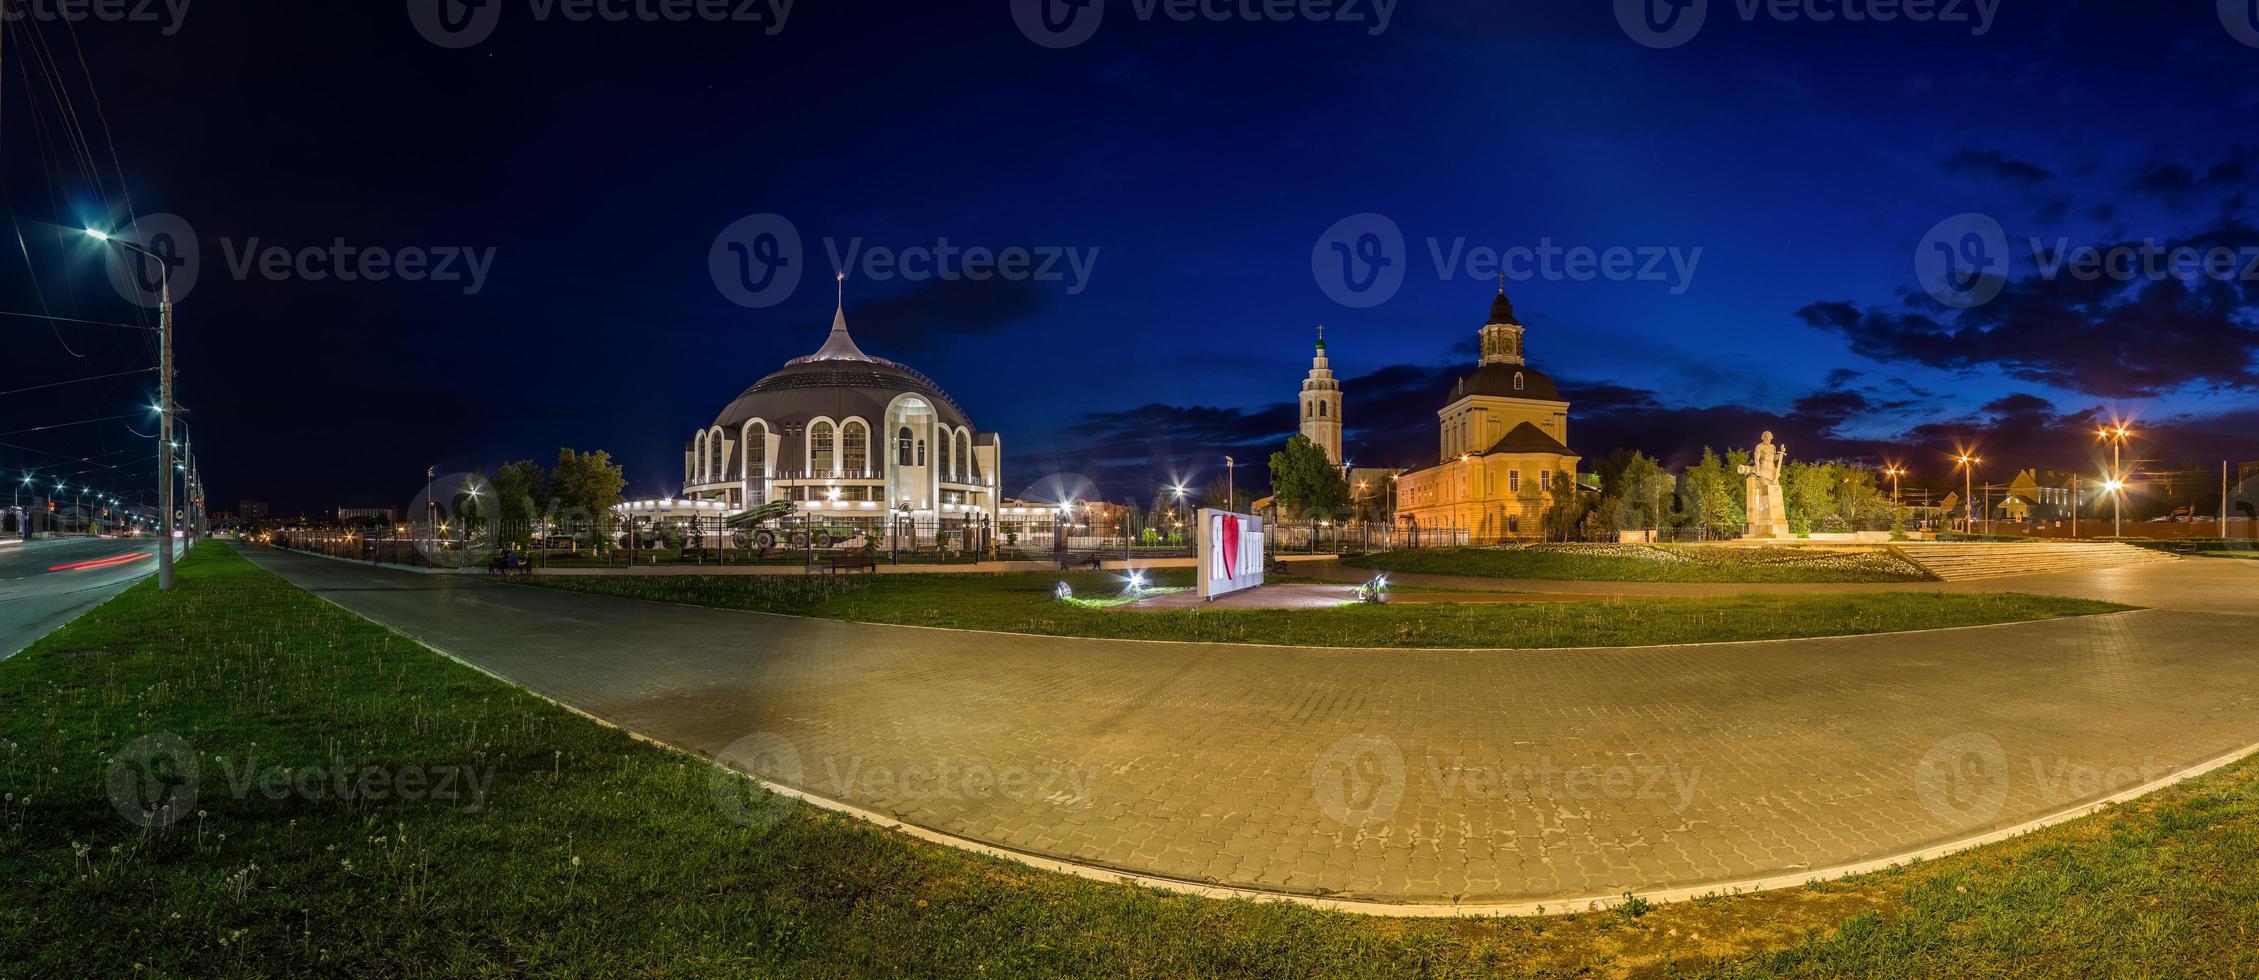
x=1502, y=452
x=849, y=437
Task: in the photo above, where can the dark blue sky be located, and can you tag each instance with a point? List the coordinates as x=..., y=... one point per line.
x=1201, y=162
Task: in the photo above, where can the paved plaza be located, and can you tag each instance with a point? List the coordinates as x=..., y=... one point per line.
x=1474, y=776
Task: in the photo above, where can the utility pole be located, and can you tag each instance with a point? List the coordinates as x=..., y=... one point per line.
x=2074, y=506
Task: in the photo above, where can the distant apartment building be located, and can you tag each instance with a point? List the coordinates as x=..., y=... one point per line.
x=251, y=510
x=383, y=515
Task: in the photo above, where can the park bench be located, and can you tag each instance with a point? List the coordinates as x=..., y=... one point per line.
x=835, y=562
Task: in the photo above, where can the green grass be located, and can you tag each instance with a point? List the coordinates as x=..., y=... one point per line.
x=2229, y=554
x=1652, y=563
x=598, y=855
x=1022, y=603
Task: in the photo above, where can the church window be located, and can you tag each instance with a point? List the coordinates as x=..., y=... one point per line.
x=1321, y=410
x=854, y=446
x=1513, y=481
x=1308, y=410
x=1517, y=381
x=902, y=447
x=821, y=452
x=1513, y=525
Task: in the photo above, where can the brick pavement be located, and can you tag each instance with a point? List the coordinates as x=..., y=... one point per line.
x=1401, y=775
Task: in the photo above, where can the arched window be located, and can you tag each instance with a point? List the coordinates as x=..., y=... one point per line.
x=941, y=459
x=698, y=459
x=820, y=449
x=964, y=467
x=902, y=447
x=1308, y=410
x=921, y=452
x=1517, y=381
x=854, y=446
x=1321, y=410
x=714, y=457
x=756, y=450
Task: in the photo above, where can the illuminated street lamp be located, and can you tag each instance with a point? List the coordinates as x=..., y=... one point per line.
x=164, y=402
x=2116, y=435
x=1968, y=465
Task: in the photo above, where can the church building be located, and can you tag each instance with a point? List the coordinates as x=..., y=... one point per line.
x=1321, y=404
x=1502, y=446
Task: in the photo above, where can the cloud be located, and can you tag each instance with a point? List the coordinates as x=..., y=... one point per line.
x=939, y=313
x=2098, y=335
x=1996, y=166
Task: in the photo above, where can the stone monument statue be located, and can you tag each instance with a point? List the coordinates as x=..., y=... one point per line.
x=1768, y=514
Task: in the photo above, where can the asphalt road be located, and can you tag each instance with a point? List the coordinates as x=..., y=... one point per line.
x=44, y=584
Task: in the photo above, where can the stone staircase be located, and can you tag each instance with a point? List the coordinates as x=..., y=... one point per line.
x=1956, y=561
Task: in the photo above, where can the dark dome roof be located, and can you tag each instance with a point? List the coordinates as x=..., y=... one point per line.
x=1497, y=380
x=836, y=381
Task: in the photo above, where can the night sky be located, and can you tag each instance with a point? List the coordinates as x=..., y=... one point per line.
x=1193, y=165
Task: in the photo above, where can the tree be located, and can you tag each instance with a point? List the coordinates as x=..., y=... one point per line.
x=520, y=491
x=587, y=485
x=1635, y=492
x=1707, y=494
x=1305, y=483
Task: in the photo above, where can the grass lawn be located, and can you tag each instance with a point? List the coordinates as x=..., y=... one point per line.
x=1022, y=603
x=591, y=854
x=2229, y=554
x=1651, y=563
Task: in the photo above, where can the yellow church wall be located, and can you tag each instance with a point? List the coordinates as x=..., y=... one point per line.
x=1495, y=498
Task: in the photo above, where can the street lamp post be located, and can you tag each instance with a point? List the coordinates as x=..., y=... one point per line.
x=23, y=517
x=164, y=405
x=1231, y=487
x=1968, y=491
x=2116, y=435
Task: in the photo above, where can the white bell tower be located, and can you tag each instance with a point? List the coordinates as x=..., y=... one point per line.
x=1321, y=404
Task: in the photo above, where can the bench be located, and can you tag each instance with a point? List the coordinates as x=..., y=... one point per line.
x=834, y=562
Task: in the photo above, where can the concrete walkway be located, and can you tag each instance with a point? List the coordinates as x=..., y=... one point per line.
x=1491, y=776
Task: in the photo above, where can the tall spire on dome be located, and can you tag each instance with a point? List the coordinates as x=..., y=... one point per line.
x=839, y=346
